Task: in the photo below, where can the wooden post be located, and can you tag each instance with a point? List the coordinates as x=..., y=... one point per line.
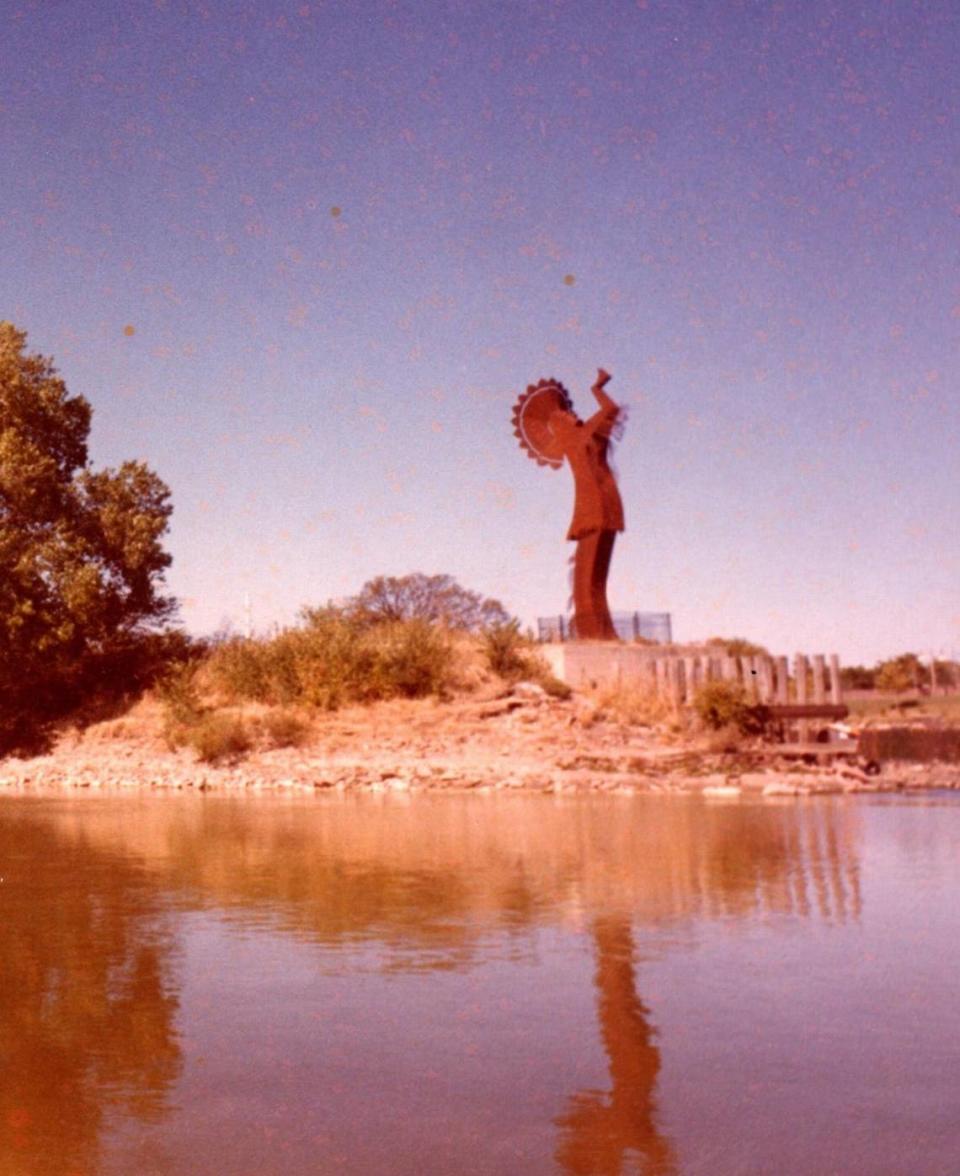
x=819, y=684
x=749, y=677
x=661, y=671
x=674, y=668
x=766, y=680
x=800, y=676
x=783, y=681
x=836, y=690
x=689, y=678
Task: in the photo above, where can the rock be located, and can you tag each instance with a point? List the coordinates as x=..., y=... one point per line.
x=722, y=790
x=823, y=785
x=397, y=783
x=780, y=788
x=760, y=780
x=712, y=781
x=494, y=710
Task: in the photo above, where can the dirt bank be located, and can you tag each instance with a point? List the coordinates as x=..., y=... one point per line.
x=525, y=740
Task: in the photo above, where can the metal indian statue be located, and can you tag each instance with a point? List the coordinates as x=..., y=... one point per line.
x=550, y=431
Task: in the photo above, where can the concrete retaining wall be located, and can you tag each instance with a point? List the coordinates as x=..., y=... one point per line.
x=677, y=674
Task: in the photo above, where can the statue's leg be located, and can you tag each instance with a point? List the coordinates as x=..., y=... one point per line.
x=590, y=627
x=600, y=608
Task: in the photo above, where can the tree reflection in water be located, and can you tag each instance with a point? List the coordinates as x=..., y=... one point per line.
x=86, y=1002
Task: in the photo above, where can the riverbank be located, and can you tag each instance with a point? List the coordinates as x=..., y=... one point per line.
x=523, y=740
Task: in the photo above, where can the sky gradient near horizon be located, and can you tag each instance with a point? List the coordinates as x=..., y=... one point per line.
x=302, y=257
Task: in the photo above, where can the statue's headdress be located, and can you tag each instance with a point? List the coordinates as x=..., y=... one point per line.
x=532, y=421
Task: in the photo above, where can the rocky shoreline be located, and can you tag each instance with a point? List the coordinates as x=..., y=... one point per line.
x=526, y=741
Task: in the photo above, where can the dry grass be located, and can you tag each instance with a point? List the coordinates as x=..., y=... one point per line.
x=727, y=740
x=636, y=705
x=143, y=722
x=900, y=708
x=470, y=669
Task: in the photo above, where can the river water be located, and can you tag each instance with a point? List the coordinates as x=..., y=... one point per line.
x=479, y=984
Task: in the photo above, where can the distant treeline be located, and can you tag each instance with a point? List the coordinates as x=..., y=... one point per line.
x=905, y=672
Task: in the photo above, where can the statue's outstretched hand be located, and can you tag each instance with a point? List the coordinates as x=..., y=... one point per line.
x=603, y=378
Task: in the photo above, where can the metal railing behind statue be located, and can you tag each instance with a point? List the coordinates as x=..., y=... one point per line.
x=629, y=626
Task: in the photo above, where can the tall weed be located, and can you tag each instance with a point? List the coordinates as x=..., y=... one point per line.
x=636, y=704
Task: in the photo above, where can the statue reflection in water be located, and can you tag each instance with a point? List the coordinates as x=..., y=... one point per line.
x=601, y=1131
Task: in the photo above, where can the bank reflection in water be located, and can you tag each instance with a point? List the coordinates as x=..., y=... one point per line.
x=441, y=883
x=432, y=875
x=86, y=999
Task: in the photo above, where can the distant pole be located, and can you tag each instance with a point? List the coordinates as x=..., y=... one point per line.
x=783, y=681
x=836, y=689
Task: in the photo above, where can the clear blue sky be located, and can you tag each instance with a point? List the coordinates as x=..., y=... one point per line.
x=344, y=236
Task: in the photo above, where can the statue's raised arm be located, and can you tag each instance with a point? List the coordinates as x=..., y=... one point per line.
x=604, y=419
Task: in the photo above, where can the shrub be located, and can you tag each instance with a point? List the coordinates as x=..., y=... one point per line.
x=723, y=704
x=507, y=651
x=178, y=692
x=412, y=659
x=284, y=729
x=256, y=670
x=333, y=661
x=554, y=686
x=218, y=737
x=513, y=656
x=720, y=704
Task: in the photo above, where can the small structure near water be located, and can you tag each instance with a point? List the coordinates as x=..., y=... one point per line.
x=911, y=744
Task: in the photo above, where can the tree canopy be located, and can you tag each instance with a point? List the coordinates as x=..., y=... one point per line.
x=897, y=674
x=738, y=647
x=438, y=600
x=81, y=560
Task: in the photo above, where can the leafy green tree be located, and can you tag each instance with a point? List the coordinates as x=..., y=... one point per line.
x=857, y=678
x=947, y=674
x=900, y=673
x=438, y=600
x=81, y=560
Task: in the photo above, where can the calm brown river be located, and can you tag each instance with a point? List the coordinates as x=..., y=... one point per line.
x=479, y=984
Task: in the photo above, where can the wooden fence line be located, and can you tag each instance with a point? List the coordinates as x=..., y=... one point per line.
x=766, y=680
